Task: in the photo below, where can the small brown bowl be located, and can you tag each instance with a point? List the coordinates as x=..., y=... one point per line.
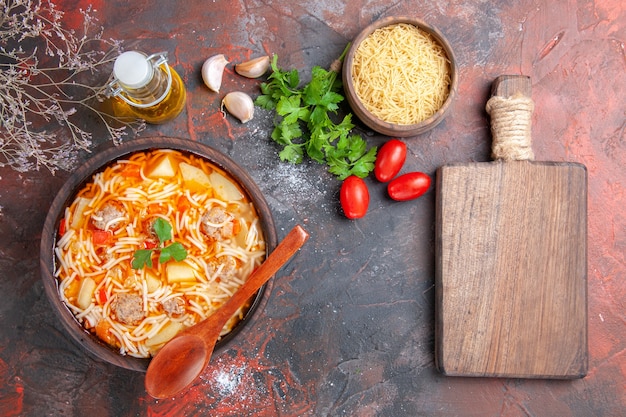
x=79, y=178
x=374, y=122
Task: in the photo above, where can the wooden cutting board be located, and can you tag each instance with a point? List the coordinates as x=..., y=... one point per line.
x=511, y=262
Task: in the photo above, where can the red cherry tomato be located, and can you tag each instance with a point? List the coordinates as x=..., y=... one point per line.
x=389, y=161
x=408, y=186
x=354, y=197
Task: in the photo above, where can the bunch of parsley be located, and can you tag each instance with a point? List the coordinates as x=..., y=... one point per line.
x=305, y=124
x=175, y=250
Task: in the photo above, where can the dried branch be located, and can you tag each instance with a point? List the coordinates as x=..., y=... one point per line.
x=49, y=74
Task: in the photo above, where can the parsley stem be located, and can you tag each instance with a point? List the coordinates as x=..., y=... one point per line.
x=335, y=66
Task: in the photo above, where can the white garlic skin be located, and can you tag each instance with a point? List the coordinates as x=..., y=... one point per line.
x=213, y=70
x=240, y=105
x=254, y=68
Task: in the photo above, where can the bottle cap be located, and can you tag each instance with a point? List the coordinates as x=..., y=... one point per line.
x=132, y=69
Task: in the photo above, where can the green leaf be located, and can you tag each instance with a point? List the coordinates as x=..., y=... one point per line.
x=319, y=117
x=360, y=170
x=141, y=258
x=298, y=114
x=356, y=147
x=292, y=154
x=341, y=171
x=283, y=81
x=265, y=101
x=351, y=157
x=330, y=101
x=321, y=84
x=174, y=251
x=365, y=164
x=274, y=64
x=316, y=144
x=315, y=153
x=346, y=124
x=163, y=229
x=284, y=134
x=292, y=78
x=288, y=105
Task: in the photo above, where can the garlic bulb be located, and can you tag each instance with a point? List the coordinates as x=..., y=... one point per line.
x=253, y=68
x=212, y=71
x=239, y=105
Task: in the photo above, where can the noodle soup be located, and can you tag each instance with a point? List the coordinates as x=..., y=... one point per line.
x=153, y=244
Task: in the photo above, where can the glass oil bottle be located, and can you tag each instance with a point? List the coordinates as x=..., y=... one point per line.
x=145, y=87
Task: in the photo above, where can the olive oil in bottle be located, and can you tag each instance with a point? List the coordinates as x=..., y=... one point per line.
x=146, y=87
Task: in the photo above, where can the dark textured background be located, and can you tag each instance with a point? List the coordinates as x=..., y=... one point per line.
x=348, y=328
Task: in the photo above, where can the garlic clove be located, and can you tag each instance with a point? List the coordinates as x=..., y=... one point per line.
x=253, y=68
x=213, y=70
x=240, y=105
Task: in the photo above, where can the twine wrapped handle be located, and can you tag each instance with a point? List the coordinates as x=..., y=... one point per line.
x=510, y=108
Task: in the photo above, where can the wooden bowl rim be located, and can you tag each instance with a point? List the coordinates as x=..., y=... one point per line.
x=374, y=122
x=82, y=175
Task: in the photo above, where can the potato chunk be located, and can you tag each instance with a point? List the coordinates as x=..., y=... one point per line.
x=195, y=179
x=166, y=333
x=179, y=272
x=87, y=288
x=79, y=212
x=224, y=187
x=163, y=168
x=152, y=282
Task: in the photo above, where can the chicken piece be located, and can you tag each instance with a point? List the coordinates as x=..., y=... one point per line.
x=217, y=224
x=174, y=307
x=109, y=217
x=224, y=266
x=128, y=308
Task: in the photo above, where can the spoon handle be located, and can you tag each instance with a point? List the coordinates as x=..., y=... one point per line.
x=281, y=254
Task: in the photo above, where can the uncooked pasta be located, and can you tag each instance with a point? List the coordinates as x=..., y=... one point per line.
x=401, y=74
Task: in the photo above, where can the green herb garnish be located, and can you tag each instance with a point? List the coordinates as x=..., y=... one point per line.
x=305, y=125
x=175, y=250
x=141, y=258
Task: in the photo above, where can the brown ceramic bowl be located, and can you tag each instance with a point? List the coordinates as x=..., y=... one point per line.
x=83, y=175
x=372, y=121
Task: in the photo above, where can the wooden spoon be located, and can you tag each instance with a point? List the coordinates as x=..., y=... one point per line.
x=183, y=358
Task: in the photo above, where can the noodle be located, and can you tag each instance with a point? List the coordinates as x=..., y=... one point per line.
x=112, y=217
x=400, y=74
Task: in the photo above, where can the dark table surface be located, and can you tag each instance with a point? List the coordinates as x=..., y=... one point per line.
x=348, y=328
